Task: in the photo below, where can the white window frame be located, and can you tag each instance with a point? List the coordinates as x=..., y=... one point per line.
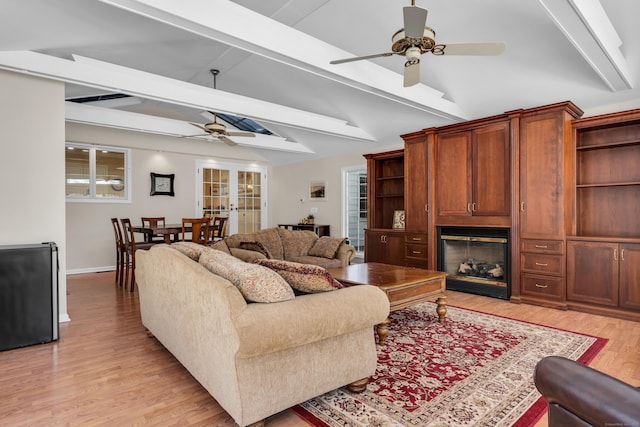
x=92, y=174
x=345, y=200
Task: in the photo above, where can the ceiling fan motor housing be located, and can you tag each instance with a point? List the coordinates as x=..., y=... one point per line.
x=401, y=43
x=216, y=128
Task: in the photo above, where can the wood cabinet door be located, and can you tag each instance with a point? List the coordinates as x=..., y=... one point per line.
x=630, y=276
x=453, y=174
x=394, y=249
x=592, y=272
x=541, y=177
x=373, y=246
x=416, y=182
x=491, y=172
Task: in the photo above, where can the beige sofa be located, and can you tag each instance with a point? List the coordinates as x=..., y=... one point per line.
x=257, y=359
x=291, y=245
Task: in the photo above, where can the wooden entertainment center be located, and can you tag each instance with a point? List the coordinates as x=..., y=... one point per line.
x=567, y=188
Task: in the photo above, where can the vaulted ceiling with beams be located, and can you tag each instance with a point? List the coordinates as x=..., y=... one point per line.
x=274, y=65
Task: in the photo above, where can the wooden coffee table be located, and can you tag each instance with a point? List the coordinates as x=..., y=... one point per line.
x=404, y=286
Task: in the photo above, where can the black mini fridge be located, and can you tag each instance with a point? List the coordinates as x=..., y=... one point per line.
x=28, y=294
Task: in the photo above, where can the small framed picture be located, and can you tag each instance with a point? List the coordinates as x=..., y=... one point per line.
x=318, y=190
x=162, y=185
x=398, y=219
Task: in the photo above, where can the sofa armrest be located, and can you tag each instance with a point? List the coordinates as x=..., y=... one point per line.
x=246, y=255
x=267, y=328
x=345, y=254
x=594, y=397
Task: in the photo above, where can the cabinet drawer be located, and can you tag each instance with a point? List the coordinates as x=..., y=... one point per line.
x=416, y=238
x=542, y=286
x=415, y=251
x=542, y=246
x=540, y=263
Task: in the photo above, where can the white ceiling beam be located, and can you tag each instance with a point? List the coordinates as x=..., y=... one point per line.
x=108, y=117
x=93, y=73
x=587, y=26
x=234, y=25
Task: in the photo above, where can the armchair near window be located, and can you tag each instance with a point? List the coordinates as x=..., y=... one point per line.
x=580, y=396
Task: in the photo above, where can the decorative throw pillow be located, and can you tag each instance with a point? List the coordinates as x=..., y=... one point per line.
x=302, y=277
x=257, y=247
x=326, y=247
x=220, y=245
x=190, y=249
x=256, y=283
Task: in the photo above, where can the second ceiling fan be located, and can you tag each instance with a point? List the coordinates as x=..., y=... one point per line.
x=416, y=38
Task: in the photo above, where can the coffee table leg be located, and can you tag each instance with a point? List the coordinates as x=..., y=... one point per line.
x=441, y=309
x=382, y=330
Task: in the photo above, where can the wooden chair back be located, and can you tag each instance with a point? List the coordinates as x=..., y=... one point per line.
x=153, y=221
x=199, y=230
x=218, y=229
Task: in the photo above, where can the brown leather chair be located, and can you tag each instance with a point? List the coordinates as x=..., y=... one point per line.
x=120, y=251
x=217, y=227
x=130, y=252
x=199, y=230
x=153, y=221
x=580, y=396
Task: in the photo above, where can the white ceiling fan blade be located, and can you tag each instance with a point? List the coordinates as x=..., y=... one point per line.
x=359, y=58
x=411, y=74
x=246, y=134
x=199, y=126
x=488, y=49
x=226, y=140
x=415, y=18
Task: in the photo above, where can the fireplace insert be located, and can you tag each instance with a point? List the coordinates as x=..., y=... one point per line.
x=476, y=260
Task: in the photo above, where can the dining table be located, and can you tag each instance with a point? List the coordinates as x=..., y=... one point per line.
x=166, y=230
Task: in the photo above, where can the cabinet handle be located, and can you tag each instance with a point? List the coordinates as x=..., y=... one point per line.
x=469, y=207
x=473, y=207
x=542, y=246
x=538, y=285
x=622, y=254
x=416, y=252
x=426, y=207
x=615, y=254
x=522, y=206
x=541, y=264
x=416, y=239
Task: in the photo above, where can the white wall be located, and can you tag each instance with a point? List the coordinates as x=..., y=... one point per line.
x=90, y=238
x=33, y=167
x=289, y=190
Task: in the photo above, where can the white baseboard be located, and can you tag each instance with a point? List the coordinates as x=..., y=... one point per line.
x=91, y=270
x=62, y=318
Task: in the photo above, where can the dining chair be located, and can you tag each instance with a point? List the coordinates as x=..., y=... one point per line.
x=131, y=247
x=153, y=221
x=218, y=227
x=120, y=251
x=199, y=230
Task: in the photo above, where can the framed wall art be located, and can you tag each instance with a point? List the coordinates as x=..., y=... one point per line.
x=318, y=190
x=162, y=185
x=398, y=220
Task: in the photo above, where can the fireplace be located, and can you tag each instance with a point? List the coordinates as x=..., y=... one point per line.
x=475, y=259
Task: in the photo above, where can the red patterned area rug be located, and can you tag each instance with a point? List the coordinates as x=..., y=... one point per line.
x=474, y=370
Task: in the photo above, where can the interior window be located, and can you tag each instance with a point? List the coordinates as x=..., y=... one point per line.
x=96, y=173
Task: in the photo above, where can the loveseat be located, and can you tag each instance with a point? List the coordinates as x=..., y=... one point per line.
x=256, y=359
x=580, y=396
x=291, y=245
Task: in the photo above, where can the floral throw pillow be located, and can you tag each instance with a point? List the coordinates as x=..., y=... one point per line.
x=326, y=247
x=220, y=245
x=256, y=283
x=190, y=249
x=302, y=277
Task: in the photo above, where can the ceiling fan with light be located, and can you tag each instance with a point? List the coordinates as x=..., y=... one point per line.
x=219, y=131
x=416, y=38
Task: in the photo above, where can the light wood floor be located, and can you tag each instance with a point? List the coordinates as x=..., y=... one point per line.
x=104, y=370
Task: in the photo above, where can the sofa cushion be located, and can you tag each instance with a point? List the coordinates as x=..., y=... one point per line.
x=302, y=277
x=317, y=260
x=326, y=246
x=190, y=249
x=296, y=242
x=256, y=283
x=220, y=245
x=256, y=247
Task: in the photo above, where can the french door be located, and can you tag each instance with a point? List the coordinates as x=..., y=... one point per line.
x=235, y=191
